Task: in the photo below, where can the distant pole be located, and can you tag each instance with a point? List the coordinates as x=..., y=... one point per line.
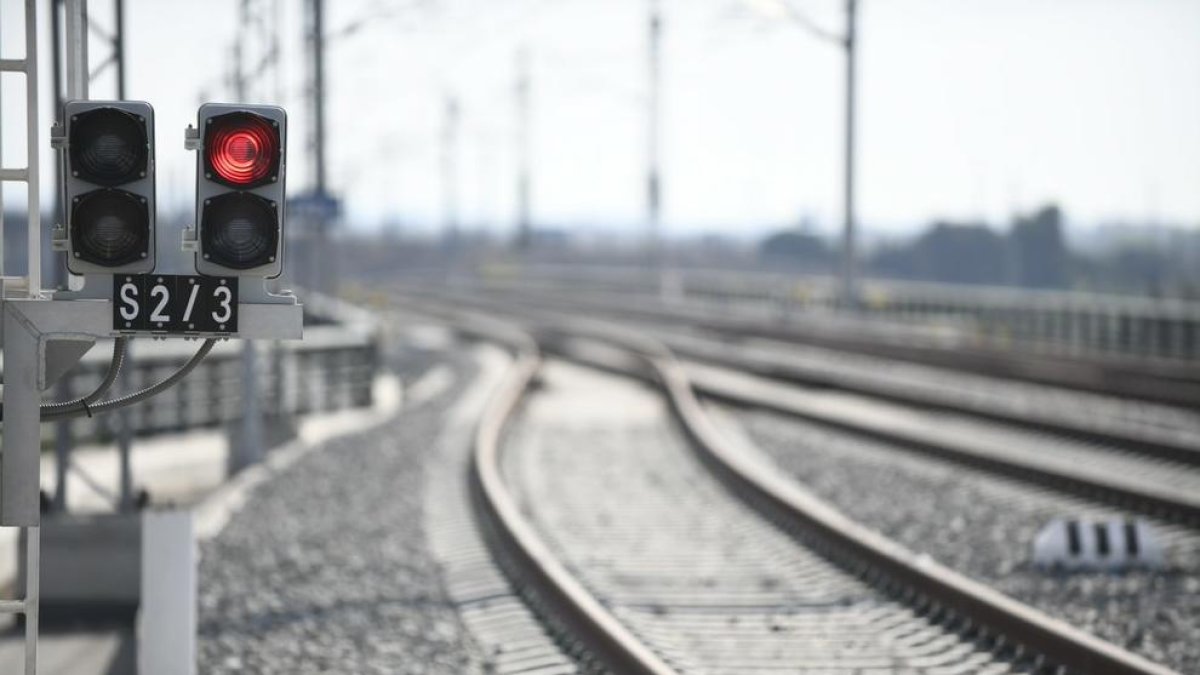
x=653, y=187
x=119, y=46
x=62, y=428
x=320, y=252
x=450, y=115
x=849, y=290
x=125, y=415
x=247, y=446
x=521, y=92
x=317, y=47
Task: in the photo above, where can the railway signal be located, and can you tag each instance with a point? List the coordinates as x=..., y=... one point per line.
x=240, y=171
x=109, y=187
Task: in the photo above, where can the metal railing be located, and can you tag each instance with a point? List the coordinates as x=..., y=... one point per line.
x=333, y=368
x=1053, y=322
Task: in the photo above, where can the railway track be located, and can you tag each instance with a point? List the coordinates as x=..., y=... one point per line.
x=1160, y=431
x=1165, y=383
x=1138, y=477
x=904, y=610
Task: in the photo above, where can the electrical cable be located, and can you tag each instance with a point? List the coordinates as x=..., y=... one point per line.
x=82, y=403
x=139, y=396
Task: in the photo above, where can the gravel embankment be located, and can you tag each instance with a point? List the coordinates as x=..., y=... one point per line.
x=326, y=568
x=984, y=526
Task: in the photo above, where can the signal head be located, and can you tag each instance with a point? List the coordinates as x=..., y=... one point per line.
x=242, y=149
x=240, y=230
x=109, y=186
x=110, y=228
x=240, y=190
x=108, y=146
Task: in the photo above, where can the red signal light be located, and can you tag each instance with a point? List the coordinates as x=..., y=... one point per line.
x=242, y=149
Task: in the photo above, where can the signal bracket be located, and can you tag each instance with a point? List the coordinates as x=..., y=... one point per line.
x=191, y=138
x=189, y=243
x=58, y=136
x=58, y=238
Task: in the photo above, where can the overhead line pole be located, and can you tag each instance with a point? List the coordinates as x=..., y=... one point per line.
x=317, y=38
x=125, y=415
x=76, y=50
x=450, y=116
x=849, y=290
x=248, y=444
x=62, y=428
x=847, y=284
x=319, y=253
x=119, y=46
x=521, y=92
x=653, y=178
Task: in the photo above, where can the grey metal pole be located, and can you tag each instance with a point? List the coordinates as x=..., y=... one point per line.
x=653, y=188
x=849, y=290
x=62, y=428
x=125, y=434
x=20, y=465
x=62, y=448
x=247, y=446
x=76, y=49
x=321, y=257
x=119, y=46
x=124, y=417
x=248, y=449
x=450, y=113
x=317, y=38
x=524, y=225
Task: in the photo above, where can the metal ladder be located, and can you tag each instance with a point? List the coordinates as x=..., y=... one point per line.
x=30, y=286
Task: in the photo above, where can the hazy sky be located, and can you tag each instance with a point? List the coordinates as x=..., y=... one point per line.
x=969, y=108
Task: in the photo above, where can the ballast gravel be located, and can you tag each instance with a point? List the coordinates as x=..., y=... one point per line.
x=326, y=568
x=984, y=525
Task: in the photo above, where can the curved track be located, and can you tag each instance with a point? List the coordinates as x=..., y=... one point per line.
x=1142, y=478
x=1165, y=383
x=884, y=575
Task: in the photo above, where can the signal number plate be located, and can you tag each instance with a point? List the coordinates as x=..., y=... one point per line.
x=169, y=303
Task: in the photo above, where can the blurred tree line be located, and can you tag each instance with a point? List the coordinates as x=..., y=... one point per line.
x=1032, y=253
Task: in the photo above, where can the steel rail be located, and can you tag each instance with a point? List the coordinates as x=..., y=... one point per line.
x=1138, y=495
x=917, y=578
x=1123, y=491
x=1092, y=376
x=777, y=368
x=890, y=564
x=514, y=540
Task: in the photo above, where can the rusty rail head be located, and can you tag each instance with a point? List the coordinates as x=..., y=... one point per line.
x=514, y=539
x=889, y=565
x=790, y=504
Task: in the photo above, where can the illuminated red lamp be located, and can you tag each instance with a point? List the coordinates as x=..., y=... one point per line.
x=242, y=150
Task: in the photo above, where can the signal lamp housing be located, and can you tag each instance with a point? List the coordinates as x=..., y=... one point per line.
x=110, y=228
x=109, y=186
x=240, y=190
x=242, y=150
x=239, y=230
x=108, y=146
